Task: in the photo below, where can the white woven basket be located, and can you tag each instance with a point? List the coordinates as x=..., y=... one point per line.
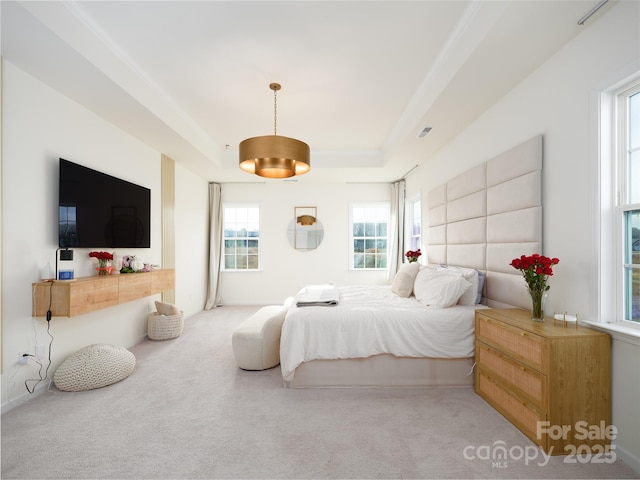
x=164, y=327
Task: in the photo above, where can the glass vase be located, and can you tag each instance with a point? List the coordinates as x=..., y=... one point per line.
x=105, y=269
x=538, y=299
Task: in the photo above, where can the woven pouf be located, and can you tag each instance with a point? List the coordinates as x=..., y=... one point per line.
x=94, y=366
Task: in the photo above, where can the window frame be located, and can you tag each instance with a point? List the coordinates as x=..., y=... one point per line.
x=237, y=205
x=607, y=300
x=352, y=237
x=624, y=203
x=412, y=241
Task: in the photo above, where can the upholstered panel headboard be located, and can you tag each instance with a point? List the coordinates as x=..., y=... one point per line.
x=489, y=215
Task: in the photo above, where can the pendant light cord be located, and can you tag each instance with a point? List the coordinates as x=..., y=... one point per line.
x=275, y=111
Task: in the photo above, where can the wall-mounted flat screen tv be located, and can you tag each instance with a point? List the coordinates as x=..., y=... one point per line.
x=97, y=210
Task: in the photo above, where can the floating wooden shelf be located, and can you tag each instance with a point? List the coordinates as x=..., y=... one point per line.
x=87, y=294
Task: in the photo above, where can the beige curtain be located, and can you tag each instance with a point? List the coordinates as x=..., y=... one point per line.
x=396, y=226
x=215, y=246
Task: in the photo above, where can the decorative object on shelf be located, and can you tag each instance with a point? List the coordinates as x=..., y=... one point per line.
x=566, y=319
x=274, y=156
x=104, y=262
x=412, y=255
x=132, y=264
x=305, y=231
x=536, y=269
x=65, y=274
x=117, y=263
x=65, y=255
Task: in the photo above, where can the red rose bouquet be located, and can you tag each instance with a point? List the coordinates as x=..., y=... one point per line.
x=536, y=269
x=104, y=261
x=412, y=255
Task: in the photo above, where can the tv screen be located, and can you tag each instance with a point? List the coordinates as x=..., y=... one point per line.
x=97, y=210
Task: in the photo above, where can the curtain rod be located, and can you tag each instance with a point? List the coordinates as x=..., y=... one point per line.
x=412, y=169
x=591, y=12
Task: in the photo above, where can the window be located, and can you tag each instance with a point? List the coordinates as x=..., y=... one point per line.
x=369, y=236
x=628, y=159
x=241, y=237
x=414, y=225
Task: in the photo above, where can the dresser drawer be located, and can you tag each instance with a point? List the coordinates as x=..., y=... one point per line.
x=521, y=413
x=522, y=345
x=528, y=382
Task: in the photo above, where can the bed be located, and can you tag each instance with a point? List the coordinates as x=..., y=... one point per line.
x=372, y=336
x=373, y=322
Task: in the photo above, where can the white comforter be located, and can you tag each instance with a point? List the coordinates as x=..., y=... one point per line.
x=372, y=320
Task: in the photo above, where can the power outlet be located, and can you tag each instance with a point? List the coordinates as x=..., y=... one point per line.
x=26, y=358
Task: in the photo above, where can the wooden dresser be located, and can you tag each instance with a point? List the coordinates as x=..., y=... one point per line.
x=544, y=372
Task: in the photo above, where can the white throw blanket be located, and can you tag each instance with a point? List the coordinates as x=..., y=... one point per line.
x=318, y=295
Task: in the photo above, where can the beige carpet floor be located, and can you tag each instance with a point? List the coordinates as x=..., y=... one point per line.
x=187, y=412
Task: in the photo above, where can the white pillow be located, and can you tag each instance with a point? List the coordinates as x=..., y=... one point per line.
x=439, y=288
x=167, y=308
x=471, y=275
x=403, y=281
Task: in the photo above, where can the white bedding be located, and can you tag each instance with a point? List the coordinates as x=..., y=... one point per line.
x=372, y=320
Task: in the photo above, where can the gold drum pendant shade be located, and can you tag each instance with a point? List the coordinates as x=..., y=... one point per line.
x=274, y=156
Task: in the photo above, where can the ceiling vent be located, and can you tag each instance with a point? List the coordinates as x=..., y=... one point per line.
x=424, y=132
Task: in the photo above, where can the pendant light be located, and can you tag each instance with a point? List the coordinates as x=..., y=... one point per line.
x=274, y=156
x=306, y=220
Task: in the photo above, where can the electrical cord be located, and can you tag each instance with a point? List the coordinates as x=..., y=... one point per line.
x=50, y=302
x=46, y=373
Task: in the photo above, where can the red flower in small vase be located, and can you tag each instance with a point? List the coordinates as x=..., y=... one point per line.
x=412, y=255
x=104, y=258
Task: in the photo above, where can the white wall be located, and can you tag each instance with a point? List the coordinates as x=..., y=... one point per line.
x=39, y=126
x=192, y=253
x=284, y=269
x=558, y=102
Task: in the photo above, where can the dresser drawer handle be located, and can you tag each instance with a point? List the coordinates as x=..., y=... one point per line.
x=523, y=333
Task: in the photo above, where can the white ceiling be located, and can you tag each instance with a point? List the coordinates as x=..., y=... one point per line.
x=359, y=79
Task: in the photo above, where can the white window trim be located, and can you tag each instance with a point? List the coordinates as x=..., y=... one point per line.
x=244, y=205
x=350, y=251
x=606, y=272
x=617, y=331
x=409, y=211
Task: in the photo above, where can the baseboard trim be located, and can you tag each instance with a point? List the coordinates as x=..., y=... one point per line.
x=628, y=458
x=25, y=397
